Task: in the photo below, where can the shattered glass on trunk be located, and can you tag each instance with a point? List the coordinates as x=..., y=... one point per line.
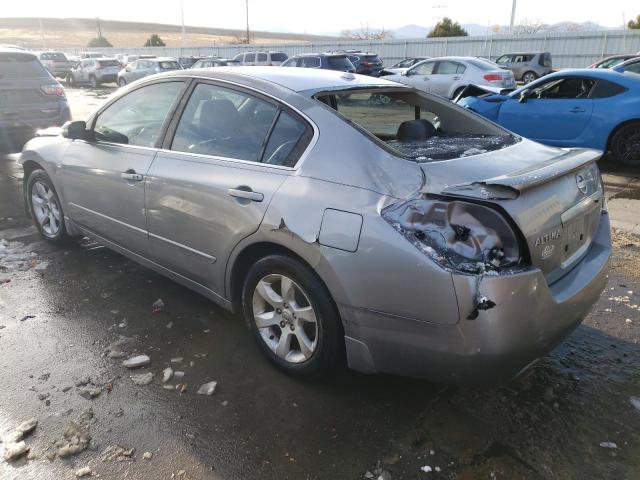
x=447, y=147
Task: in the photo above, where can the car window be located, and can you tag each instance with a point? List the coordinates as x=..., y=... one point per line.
x=447, y=67
x=425, y=68
x=504, y=59
x=169, y=65
x=606, y=89
x=290, y=63
x=262, y=57
x=339, y=62
x=225, y=123
x=250, y=57
x=19, y=65
x=563, y=88
x=278, y=56
x=310, y=62
x=108, y=63
x=238, y=58
x=405, y=63
x=287, y=141
x=633, y=68
x=137, y=117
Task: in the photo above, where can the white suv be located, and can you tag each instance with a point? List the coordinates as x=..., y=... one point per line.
x=260, y=58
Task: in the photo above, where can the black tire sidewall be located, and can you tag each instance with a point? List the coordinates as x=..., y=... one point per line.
x=329, y=330
x=41, y=175
x=93, y=81
x=122, y=82
x=615, y=147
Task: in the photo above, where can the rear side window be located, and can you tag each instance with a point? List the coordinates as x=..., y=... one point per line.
x=137, y=117
x=450, y=68
x=633, y=68
x=339, y=62
x=262, y=57
x=250, y=57
x=310, y=62
x=372, y=58
x=287, y=141
x=278, y=56
x=169, y=65
x=19, y=65
x=606, y=89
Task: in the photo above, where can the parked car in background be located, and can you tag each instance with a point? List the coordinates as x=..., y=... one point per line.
x=277, y=209
x=15, y=47
x=448, y=76
x=144, y=67
x=632, y=65
x=260, y=58
x=92, y=55
x=365, y=63
x=589, y=108
x=56, y=62
x=30, y=98
x=94, y=71
x=327, y=61
x=128, y=58
x=612, y=61
x=214, y=62
x=526, y=67
x=402, y=66
x=187, y=62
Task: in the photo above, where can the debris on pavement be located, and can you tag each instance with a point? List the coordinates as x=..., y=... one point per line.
x=167, y=373
x=84, y=472
x=426, y=469
x=27, y=317
x=611, y=445
x=13, y=451
x=181, y=387
x=207, y=388
x=90, y=392
x=169, y=325
x=82, y=381
x=147, y=455
x=177, y=359
x=76, y=436
x=635, y=402
x=27, y=426
x=116, y=453
x=178, y=375
x=142, y=378
x=137, y=361
x=157, y=306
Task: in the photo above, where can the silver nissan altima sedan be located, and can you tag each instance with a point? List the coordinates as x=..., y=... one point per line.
x=410, y=236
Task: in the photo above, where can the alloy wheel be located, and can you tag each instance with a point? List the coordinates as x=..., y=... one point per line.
x=628, y=148
x=285, y=318
x=46, y=209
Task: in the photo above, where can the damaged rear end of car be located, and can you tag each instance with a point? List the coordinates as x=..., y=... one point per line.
x=521, y=228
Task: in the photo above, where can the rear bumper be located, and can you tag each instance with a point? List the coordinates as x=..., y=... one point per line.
x=530, y=318
x=107, y=78
x=17, y=131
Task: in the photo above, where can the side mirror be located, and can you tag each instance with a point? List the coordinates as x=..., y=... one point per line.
x=127, y=69
x=75, y=130
x=524, y=96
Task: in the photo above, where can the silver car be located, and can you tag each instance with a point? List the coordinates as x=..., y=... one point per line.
x=527, y=67
x=146, y=66
x=448, y=76
x=414, y=236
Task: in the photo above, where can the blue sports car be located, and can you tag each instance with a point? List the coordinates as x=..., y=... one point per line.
x=592, y=108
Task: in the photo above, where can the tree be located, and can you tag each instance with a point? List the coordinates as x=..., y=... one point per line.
x=154, y=41
x=447, y=28
x=99, y=42
x=634, y=24
x=367, y=33
x=529, y=26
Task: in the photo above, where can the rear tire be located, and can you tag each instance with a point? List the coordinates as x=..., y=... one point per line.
x=71, y=80
x=528, y=77
x=93, y=81
x=302, y=311
x=625, y=144
x=121, y=82
x=45, y=207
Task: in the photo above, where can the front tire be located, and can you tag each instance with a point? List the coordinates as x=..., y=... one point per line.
x=529, y=77
x=292, y=316
x=121, y=82
x=625, y=145
x=93, y=81
x=45, y=207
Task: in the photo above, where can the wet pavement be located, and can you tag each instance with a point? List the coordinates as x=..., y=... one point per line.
x=63, y=310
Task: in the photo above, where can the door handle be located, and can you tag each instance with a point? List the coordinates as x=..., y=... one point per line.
x=577, y=110
x=132, y=176
x=456, y=78
x=248, y=194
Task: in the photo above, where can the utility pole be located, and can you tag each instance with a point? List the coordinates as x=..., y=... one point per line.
x=247, y=9
x=98, y=27
x=182, y=21
x=513, y=16
x=44, y=46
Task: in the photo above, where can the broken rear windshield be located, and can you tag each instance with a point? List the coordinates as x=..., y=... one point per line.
x=418, y=127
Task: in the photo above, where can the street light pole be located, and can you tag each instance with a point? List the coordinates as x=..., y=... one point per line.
x=513, y=16
x=247, y=8
x=182, y=20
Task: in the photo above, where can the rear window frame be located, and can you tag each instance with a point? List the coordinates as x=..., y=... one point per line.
x=25, y=58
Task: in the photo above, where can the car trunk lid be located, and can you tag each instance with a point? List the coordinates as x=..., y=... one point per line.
x=556, y=200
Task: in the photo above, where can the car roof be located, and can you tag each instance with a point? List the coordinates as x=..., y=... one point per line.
x=323, y=54
x=630, y=61
x=296, y=79
x=16, y=50
x=628, y=80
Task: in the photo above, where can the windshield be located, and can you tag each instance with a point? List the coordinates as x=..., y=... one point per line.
x=483, y=64
x=339, y=62
x=417, y=127
x=20, y=65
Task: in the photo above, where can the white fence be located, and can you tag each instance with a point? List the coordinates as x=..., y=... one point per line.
x=569, y=50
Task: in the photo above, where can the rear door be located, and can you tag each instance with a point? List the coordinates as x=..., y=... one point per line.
x=103, y=181
x=557, y=111
x=211, y=185
x=447, y=75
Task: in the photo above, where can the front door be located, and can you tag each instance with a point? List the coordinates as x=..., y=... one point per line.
x=420, y=75
x=230, y=153
x=103, y=180
x=556, y=112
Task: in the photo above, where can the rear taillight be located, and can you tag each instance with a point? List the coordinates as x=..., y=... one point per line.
x=53, y=90
x=493, y=77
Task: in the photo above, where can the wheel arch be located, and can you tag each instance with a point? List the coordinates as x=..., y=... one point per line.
x=617, y=128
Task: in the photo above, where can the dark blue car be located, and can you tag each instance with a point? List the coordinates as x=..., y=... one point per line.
x=593, y=108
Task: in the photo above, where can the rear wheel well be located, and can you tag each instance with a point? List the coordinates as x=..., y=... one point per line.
x=617, y=128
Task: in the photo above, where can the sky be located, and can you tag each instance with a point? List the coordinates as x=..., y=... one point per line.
x=327, y=16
